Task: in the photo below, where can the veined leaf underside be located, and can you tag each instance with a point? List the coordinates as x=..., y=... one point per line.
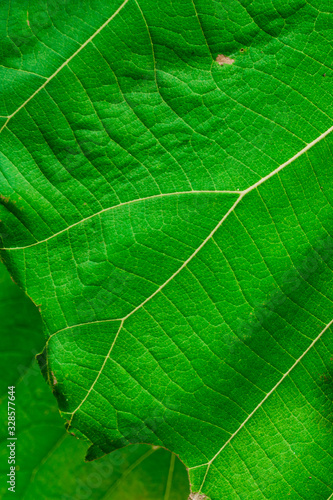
x=237, y=197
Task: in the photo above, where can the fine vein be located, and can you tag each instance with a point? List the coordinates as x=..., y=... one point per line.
x=208, y=464
x=162, y=195
x=65, y=63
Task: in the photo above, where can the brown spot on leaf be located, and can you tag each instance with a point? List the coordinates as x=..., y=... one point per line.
x=197, y=496
x=221, y=59
x=54, y=380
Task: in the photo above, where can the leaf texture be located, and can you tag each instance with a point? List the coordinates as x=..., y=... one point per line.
x=50, y=463
x=172, y=218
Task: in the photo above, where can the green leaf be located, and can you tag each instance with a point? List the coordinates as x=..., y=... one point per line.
x=21, y=337
x=50, y=463
x=172, y=217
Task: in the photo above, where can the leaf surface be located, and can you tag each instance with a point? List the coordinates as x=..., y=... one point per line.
x=50, y=463
x=172, y=216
